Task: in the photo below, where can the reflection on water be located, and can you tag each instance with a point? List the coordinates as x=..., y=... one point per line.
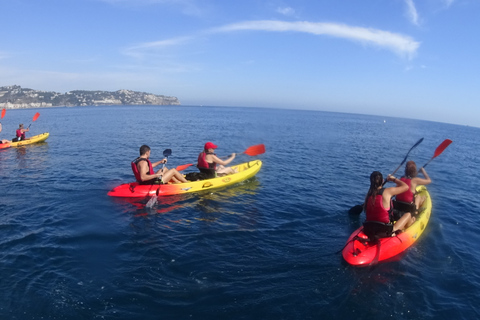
x=213, y=206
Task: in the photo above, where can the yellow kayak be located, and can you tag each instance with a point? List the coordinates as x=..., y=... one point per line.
x=245, y=171
x=31, y=140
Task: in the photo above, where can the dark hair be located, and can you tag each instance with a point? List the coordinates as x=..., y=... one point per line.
x=376, y=180
x=144, y=149
x=411, y=169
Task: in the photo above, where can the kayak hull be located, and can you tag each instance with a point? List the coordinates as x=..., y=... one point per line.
x=34, y=139
x=361, y=253
x=133, y=189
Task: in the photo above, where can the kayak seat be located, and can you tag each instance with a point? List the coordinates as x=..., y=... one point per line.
x=400, y=208
x=375, y=230
x=209, y=173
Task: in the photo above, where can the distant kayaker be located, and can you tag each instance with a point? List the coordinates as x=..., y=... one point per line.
x=211, y=165
x=143, y=170
x=3, y=140
x=21, y=132
x=411, y=179
x=378, y=205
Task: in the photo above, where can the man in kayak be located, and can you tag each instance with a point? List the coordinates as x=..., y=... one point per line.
x=3, y=140
x=411, y=179
x=143, y=170
x=208, y=160
x=378, y=207
x=21, y=132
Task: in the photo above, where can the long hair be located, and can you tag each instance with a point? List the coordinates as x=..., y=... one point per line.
x=376, y=180
x=411, y=169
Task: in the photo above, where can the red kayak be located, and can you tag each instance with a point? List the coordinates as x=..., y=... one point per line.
x=360, y=251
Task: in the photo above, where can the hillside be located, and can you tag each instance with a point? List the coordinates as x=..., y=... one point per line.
x=16, y=97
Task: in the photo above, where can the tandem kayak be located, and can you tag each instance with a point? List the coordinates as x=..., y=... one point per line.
x=245, y=171
x=34, y=139
x=360, y=252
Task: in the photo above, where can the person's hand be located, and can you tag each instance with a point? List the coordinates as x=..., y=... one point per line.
x=391, y=178
x=164, y=160
x=233, y=155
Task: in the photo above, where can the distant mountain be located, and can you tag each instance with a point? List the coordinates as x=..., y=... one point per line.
x=16, y=97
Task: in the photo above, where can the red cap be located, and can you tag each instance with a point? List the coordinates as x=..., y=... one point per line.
x=210, y=145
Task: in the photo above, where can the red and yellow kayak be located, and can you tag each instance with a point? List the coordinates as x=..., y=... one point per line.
x=359, y=252
x=245, y=171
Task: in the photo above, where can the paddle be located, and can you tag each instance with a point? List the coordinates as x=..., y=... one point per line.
x=359, y=207
x=35, y=117
x=439, y=150
x=3, y=112
x=251, y=151
x=153, y=200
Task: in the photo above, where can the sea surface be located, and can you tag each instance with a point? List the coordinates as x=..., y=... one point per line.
x=263, y=249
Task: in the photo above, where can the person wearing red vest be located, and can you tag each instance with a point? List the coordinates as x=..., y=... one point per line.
x=378, y=201
x=413, y=181
x=20, y=133
x=142, y=168
x=208, y=161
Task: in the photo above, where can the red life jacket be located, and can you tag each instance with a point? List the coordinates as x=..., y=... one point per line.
x=20, y=134
x=135, y=168
x=375, y=211
x=202, y=163
x=408, y=195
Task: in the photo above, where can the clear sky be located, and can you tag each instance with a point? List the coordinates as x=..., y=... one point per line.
x=410, y=58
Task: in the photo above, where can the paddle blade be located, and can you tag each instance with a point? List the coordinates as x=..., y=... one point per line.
x=167, y=152
x=356, y=209
x=35, y=117
x=183, y=167
x=151, y=202
x=442, y=147
x=255, y=150
x=3, y=112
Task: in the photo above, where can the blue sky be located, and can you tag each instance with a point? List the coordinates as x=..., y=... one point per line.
x=406, y=58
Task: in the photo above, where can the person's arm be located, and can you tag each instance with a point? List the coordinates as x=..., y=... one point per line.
x=143, y=169
x=420, y=181
x=0, y=127
x=159, y=162
x=220, y=161
x=400, y=187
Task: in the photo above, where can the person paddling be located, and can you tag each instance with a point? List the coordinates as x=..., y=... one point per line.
x=20, y=133
x=143, y=170
x=378, y=207
x=411, y=179
x=208, y=160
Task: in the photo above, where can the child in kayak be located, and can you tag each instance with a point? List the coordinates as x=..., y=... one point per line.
x=208, y=161
x=378, y=207
x=411, y=179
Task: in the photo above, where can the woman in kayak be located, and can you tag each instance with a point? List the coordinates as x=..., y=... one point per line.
x=21, y=132
x=143, y=170
x=3, y=140
x=411, y=179
x=378, y=205
x=208, y=161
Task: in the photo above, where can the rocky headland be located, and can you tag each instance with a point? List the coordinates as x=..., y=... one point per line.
x=16, y=97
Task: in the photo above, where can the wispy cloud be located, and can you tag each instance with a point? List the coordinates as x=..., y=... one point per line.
x=398, y=43
x=141, y=50
x=412, y=12
x=286, y=11
x=448, y=3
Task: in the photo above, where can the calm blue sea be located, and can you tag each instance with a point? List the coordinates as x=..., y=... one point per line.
x=263, y=249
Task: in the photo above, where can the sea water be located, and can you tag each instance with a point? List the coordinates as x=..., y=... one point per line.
x=266, y=248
